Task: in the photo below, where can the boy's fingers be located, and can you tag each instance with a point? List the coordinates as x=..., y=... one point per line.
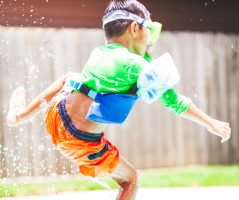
x=228, y=129
x=222, y=141
x=226, y=125
x=225, y=131
x=225, y=138
x=227, y=134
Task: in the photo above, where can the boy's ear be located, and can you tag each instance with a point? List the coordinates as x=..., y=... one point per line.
x=133, y=29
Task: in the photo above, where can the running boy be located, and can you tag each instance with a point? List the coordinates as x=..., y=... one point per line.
x=82, y=104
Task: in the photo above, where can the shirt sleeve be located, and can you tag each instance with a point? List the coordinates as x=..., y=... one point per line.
x=136, y=65
x=175, y=102
x=147, y=57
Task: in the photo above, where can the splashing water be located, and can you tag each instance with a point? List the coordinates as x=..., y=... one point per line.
x=104, y=185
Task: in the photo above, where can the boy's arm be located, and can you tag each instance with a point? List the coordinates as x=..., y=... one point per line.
x=15, y=117
x=184, y=107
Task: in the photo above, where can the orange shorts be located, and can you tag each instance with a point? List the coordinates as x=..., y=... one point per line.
x=95, y=155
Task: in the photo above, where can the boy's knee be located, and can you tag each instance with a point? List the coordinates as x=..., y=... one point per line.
x=134, y=178
x=131, y=179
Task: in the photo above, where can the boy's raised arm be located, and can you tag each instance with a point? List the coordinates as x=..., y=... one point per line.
x=184, y=107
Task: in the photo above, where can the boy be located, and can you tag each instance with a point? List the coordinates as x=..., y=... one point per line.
x=81, y=105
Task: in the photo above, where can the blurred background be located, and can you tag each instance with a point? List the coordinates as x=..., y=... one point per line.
x=41, y=40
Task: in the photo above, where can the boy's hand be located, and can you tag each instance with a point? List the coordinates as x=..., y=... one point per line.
x=221, y=129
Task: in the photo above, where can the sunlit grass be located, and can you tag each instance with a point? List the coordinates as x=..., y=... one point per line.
x=177, y=177
x=191, y=176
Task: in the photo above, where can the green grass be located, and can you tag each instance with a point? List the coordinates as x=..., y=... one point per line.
x=176, y=177
x=7, y=190
x=191, y=176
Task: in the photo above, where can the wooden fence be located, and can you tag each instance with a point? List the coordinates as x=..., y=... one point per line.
x=152, y=136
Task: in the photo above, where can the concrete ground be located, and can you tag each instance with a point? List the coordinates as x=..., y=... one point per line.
x=188, y=193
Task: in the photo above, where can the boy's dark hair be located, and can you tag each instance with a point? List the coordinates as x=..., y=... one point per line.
x=118, y=27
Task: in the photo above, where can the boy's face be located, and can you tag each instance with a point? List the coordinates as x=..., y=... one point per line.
x=139, y=38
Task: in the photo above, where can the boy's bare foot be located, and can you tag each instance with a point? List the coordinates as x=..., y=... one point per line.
x=17, y=104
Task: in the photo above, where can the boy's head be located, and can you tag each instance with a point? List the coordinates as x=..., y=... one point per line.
x=134, y=32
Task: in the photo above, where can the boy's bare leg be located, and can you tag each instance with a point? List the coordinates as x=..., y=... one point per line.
x=127, y=178
x=17, y=104
x=19, y=112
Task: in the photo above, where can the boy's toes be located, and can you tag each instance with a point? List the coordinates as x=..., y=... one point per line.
x=17, y=101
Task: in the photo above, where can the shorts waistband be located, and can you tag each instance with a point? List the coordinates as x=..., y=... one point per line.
x=88, y=137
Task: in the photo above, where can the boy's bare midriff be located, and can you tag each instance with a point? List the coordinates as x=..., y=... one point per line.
x=77, y=106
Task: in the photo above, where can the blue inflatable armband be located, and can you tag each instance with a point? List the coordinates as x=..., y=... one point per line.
x=158, y=77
